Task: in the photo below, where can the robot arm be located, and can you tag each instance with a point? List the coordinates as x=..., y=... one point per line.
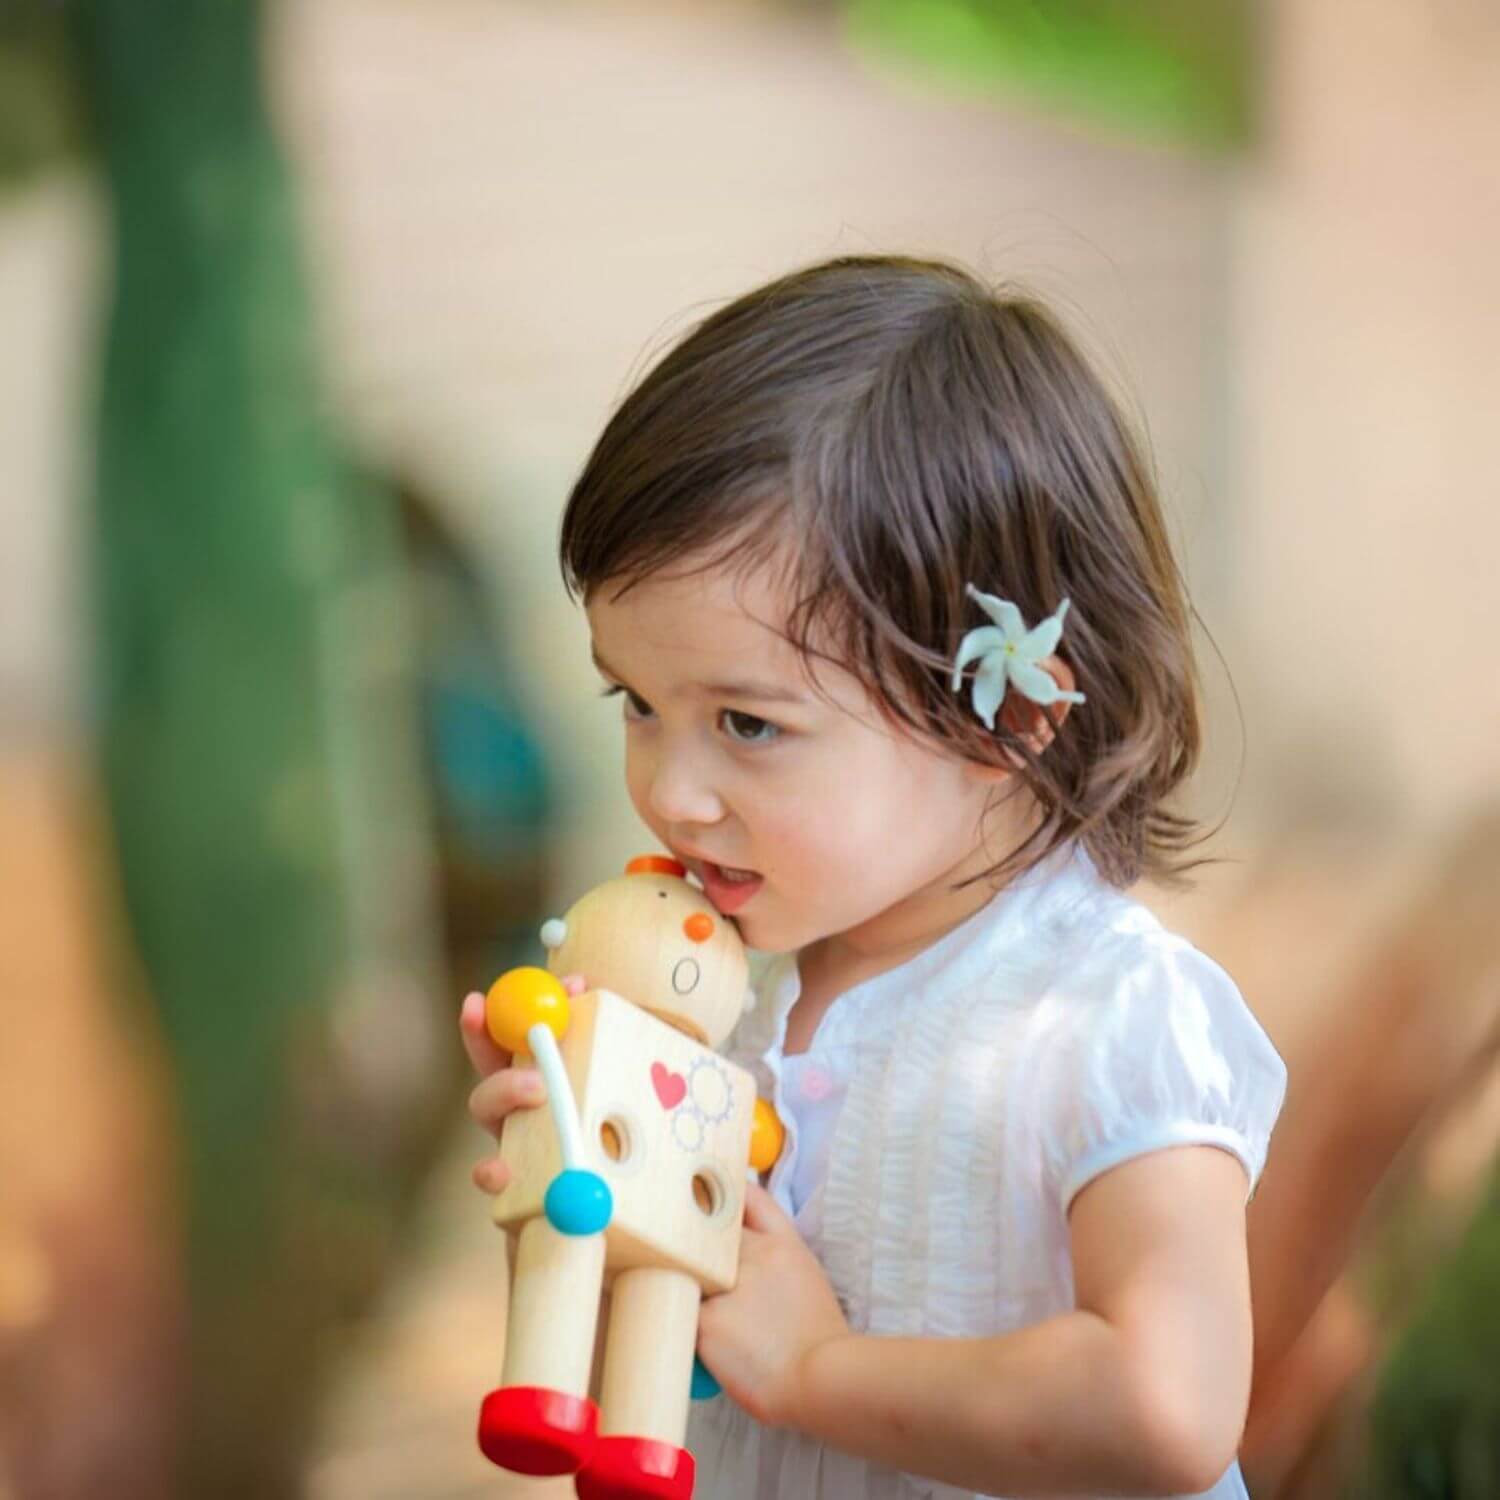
x=527, y=1011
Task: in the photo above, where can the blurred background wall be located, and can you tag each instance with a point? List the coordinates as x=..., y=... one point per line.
x=506, y=207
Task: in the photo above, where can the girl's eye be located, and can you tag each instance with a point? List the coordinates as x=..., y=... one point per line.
x=636, y=707
x=746, y=729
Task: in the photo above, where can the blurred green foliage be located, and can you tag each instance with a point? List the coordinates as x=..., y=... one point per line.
x=1434, y=1426
x=39, y=117
x=1172, y=69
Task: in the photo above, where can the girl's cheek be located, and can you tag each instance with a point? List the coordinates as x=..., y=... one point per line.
x=635, y=786
x=641, y=804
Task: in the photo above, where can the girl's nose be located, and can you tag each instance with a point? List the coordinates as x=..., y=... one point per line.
x=680, y=794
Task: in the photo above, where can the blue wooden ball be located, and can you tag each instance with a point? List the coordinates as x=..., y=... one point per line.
x=578, y=1202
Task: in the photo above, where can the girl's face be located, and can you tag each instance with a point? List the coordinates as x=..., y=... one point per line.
x=806, y=814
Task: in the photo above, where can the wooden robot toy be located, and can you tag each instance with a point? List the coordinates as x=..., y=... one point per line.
x=633, y=1179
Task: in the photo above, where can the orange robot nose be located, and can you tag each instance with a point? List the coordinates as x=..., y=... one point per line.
x=699, y=927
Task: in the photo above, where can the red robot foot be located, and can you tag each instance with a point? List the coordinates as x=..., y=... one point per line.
x=630, y=1468
x=529, y=1429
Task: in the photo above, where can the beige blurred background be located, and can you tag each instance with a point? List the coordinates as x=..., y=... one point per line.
x=511, y=206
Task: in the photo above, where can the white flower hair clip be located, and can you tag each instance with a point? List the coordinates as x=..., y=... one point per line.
x=1010, y=653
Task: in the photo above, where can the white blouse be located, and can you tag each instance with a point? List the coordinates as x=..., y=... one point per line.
x=947, y=1112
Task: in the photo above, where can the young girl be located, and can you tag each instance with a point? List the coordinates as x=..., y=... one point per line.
x=881, y=581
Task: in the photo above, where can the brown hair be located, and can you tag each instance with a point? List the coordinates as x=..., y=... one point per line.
x=910, y=431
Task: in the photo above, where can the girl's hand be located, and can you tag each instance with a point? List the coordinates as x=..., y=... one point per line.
x=757, y=1338
x=502, y=1087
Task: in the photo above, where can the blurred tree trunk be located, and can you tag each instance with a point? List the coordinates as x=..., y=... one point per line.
x=257, y=739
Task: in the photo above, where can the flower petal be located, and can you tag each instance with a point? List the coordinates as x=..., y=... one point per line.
x=976, y=643
x=1039, y=685
x=1002, y=612
x=1041, y=642
x=989, y=686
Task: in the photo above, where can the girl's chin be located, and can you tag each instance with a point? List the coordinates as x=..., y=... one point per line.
x=745, y=924
x=765, y=935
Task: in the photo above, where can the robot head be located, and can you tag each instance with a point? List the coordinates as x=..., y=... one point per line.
x=656, y=941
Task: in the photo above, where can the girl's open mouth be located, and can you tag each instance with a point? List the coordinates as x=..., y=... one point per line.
x=728, y=888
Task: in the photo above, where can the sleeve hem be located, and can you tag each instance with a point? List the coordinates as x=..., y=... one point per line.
x=1187, y=1133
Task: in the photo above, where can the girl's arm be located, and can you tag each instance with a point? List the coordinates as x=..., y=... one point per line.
x=1141, y=1390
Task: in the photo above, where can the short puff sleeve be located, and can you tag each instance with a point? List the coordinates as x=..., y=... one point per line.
x=1155, y=1047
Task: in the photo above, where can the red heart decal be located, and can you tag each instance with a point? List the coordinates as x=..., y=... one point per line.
x=670, y=1087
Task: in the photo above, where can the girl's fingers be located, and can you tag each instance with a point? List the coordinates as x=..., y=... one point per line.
x=483, y=1053
x=491, y=1175
x=501, y=1093
x=574, y=984
x=764, y=1213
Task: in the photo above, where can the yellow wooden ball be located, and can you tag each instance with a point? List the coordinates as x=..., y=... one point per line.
x=520, y=998
x=767, y=1135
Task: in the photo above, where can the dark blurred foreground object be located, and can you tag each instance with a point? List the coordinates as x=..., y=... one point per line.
x=259, y=744
x=1179, y=70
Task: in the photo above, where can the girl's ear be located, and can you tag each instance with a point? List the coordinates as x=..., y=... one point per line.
x=1036, y=726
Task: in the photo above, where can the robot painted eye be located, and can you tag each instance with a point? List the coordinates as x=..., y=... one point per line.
x=686, y=975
